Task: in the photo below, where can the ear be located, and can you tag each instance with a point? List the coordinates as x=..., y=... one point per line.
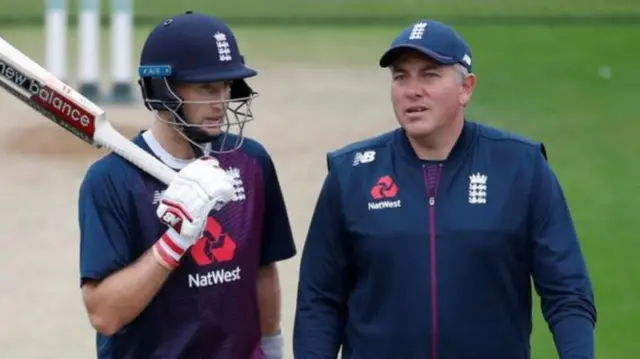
x=468, y=85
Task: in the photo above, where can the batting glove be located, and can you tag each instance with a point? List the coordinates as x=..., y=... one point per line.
x=199, y=188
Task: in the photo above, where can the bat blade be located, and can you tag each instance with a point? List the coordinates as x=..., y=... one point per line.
x=60, y=103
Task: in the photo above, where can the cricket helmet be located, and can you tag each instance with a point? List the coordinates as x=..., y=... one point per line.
x=196, y=48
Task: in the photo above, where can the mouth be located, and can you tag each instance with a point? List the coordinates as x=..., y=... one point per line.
x=212, y=122
x=414, y=110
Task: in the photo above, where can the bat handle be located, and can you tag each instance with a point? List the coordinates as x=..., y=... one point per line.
x=108, y=137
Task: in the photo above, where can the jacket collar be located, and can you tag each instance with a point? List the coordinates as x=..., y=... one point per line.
x=463, y=144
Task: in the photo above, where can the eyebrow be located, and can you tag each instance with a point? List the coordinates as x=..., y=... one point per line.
x=431, y=66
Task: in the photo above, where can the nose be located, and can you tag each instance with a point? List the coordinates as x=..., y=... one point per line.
x=414, y=89
x=414, y=93
x=217, y=105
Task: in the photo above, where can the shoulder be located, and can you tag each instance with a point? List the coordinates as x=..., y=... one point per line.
x=109, y=176
x=253, y=159
x=360, y=151
x=110, y=169
x=508, y=142
x=253, y=148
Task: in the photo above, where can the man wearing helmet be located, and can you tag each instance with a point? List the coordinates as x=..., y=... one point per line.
x=187, y=270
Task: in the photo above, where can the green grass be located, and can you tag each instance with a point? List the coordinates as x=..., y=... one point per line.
x=544, y=83
x=158, y=9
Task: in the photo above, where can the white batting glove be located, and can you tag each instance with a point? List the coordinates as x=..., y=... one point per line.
x=197, y=189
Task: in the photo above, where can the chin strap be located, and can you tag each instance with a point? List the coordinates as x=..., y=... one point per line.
x=273, y=346
x=200, y=139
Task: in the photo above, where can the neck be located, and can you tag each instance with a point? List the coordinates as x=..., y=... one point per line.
x=438, y=145
x=172, y=142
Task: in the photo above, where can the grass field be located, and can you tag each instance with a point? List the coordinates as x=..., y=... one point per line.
x=572, y=87
x=322, y=10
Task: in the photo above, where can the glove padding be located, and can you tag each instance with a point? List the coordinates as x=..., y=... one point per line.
x=199, y=188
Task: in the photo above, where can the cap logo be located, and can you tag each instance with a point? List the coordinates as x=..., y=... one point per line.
x=417, y=31
x=466, y=59
x=224, y=53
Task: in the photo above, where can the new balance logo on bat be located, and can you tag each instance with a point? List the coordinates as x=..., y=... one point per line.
x=45, y=96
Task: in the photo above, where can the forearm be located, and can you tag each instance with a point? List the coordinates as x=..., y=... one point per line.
x=574, y=338
x=120, y=298
x=269, y=300
x=320, y=315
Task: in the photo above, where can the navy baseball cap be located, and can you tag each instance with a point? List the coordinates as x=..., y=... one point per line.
x=433, y=39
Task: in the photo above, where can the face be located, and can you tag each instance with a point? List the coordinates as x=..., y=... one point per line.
x=207, y=109
x=427, y=96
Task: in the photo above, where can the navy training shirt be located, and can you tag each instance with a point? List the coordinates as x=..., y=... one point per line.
x=208, y=306
x=414, y=259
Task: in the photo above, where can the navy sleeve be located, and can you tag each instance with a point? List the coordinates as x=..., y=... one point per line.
x=105, y=241
x=277, y=237
x=559, y=269
x=322, y=286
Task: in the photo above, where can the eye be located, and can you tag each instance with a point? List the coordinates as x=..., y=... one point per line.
x=213, y=88
x=432, y=74
x=398, y=76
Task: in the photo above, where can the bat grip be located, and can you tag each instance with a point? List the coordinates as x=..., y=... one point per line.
x=108, y=137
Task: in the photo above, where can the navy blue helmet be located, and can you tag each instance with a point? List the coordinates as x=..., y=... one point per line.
x=195, y=48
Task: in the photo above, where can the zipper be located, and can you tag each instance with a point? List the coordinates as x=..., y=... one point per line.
x=432, y=179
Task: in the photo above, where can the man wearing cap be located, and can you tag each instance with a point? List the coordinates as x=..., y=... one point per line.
x=424, y=240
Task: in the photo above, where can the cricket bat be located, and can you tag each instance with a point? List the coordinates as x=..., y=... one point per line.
x=57, y=101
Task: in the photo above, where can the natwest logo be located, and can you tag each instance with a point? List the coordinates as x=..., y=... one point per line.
x=218, y=276
x=384, y=188
x=385, y=204
x=215, y=246
x=382, y=191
